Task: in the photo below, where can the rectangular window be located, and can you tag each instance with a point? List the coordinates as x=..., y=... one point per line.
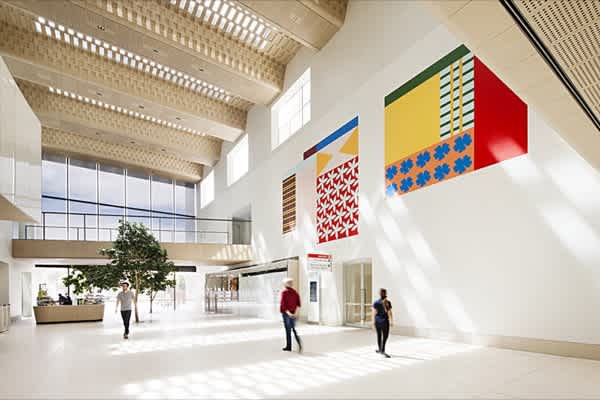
x=207, y=189
x=292, y=111
x=237, y=161
x=83, y=198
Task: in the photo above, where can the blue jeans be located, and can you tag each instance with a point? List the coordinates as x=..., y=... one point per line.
x=290, y=326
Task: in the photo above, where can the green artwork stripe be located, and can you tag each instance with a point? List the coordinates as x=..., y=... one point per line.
x=427, y=73
x=457, y=108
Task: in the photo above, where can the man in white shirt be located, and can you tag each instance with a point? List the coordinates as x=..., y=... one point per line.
x=125, y=298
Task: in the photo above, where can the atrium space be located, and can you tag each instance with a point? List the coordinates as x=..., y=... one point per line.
x=303, y=199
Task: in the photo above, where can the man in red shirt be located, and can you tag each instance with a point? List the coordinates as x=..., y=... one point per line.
x=290, y=308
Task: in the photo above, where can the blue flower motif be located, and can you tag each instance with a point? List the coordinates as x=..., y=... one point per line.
x=391, y=172
x=441, y=171
x=423, y=178
x=461, y=164
x=441, y=151
x=406, y=165
x=423, y=159
x=406, y=184
x=391, y=190
x=462, y=142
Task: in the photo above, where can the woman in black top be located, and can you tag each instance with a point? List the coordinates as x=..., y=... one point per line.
x=382, y=319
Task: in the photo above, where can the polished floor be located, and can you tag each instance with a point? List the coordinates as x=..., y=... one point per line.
x=190, y=355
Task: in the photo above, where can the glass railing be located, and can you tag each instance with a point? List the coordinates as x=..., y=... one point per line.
x=166, y=229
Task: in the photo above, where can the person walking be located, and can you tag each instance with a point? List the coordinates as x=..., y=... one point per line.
x=125, y=299
x=382, y=320
x=290, y=309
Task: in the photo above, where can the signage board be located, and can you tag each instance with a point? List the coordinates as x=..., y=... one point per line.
x=319, y=262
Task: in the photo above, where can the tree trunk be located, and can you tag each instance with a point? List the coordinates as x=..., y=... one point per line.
x=151, y=301
x=135, y=299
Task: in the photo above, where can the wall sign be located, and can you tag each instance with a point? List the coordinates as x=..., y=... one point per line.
x=319, y=262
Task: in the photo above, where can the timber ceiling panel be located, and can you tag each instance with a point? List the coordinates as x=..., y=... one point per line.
x=570, y=30
x=171, y=79
x=55, y=108
x=71, y=143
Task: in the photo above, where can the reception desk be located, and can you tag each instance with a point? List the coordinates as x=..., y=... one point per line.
x=56, y=314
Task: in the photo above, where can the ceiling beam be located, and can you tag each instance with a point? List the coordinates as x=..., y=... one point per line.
x=63, y=142
x=64, y=112
x=172, y=38
x=311, y=23
x=39, y=58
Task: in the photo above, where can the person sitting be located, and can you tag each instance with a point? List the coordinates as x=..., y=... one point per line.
x=61, y=299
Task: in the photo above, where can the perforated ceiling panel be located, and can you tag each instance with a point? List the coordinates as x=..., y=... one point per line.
x=570, y=30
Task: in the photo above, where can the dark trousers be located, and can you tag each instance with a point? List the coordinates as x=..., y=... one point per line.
x=383, y=331
x=290, y=326
x=126, y=315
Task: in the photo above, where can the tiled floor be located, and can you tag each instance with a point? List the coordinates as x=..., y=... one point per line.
x=187, y=354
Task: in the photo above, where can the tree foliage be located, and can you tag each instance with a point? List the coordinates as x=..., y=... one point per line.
x=87, y=278
x=137, y=257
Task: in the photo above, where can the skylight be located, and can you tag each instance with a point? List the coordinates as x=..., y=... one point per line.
x=123, y=110
x=125, y=57
x=230, y=18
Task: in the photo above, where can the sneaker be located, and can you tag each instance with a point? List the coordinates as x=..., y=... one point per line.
x=286, y=349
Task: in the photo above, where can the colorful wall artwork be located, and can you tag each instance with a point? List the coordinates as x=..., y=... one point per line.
x=289, y=203
x=327, y=185
x=453, y=118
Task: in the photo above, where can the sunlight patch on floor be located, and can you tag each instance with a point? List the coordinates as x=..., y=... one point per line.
x=272, y=378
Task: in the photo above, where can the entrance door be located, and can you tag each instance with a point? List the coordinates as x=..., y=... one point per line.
x=358, y=281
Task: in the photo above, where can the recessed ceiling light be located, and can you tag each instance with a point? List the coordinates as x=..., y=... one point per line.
x=101, y=27
x=124, y=57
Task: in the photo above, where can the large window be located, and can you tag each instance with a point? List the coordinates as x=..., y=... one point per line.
x=85, y=200
x=237, y=161
x=207, y=189
x=292, y=111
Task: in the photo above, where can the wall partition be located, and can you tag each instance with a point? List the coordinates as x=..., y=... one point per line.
x=84, y=200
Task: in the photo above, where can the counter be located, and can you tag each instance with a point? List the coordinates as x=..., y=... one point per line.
x=55, y=314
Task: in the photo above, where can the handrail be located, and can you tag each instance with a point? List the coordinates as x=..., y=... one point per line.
x=126, y=208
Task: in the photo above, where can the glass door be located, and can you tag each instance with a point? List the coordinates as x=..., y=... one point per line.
x=358, y=281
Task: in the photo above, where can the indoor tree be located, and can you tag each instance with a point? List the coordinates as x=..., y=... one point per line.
x=138, y=258
x=86, y=278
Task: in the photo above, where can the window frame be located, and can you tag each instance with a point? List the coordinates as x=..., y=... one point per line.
x=241, y=148
x=208, y=180
x=301, y=92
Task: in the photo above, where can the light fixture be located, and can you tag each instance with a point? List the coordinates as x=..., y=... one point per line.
x=121, y=110
x=125, y=57
x=101, y=27
x=229, y=17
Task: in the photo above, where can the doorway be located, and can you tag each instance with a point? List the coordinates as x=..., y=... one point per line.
x=358, y=282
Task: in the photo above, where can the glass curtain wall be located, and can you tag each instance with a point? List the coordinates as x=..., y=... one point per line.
x=84, y=200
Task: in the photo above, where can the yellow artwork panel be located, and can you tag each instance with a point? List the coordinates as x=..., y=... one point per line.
x=412, y=122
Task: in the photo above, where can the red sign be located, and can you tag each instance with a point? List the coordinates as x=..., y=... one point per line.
x=319, y=262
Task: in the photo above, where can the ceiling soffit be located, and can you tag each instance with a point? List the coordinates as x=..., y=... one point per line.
x=312, y=23
x=54, y=57
x=174, y=26
x=56, y=110
x=131, y=156
x=570, y=31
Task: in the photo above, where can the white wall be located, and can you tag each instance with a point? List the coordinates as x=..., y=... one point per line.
x=511, y=250
x=20, y=172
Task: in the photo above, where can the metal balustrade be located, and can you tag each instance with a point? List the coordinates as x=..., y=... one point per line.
x=167, y=229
